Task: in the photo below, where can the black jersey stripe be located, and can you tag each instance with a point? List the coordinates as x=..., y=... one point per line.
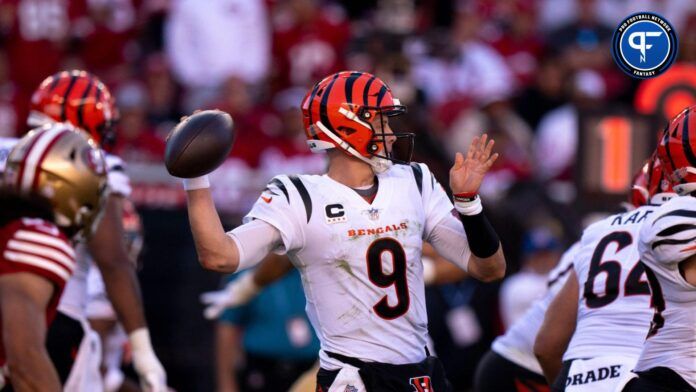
x=672, y=241
x=418, y=175
x=681, y=212
x=302, y=190
x=279, y=184
x=676, y=229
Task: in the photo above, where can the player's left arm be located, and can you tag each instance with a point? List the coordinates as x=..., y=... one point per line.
x=559, y=325
x=487, y=262
x=110, y=255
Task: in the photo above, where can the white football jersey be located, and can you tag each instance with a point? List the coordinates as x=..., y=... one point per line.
x=360, y=263
x=517, y=345
x=666, y=239
x=614, y=297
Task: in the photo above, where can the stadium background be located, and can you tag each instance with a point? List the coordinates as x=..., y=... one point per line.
x=535, y=74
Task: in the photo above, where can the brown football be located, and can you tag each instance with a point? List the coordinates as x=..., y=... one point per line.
x=199, y=143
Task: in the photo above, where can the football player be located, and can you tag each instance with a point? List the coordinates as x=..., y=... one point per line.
x=667, y=246
x=511, y=364
x=52, y=191
x=593, y=330
x=81, y=99
x=356, y=232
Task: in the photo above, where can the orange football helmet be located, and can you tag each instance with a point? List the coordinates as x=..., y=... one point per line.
x=340, y=110
x=79, y=98
x=677, y=151
x=650, y=185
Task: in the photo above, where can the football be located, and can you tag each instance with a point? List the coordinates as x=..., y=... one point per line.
x=199, y=143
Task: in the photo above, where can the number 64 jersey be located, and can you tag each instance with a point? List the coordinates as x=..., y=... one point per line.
x=666, y=239
x=360, y=263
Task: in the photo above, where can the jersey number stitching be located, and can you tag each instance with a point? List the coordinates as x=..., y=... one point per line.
x=397, y=277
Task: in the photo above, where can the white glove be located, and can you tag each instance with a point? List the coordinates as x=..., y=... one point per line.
x=236, y=293
x=152, y=375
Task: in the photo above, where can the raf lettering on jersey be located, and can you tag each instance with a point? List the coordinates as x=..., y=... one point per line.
x=631, y=217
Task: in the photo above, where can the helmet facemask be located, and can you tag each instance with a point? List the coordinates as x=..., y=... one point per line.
x=383, y=152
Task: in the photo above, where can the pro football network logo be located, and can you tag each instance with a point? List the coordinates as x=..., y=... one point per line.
x=644, y=45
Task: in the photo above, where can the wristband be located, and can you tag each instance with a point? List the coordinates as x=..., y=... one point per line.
x=191, y=184
x=140, y=340
x=429, y=273
x=482, y=238
x=469, y=207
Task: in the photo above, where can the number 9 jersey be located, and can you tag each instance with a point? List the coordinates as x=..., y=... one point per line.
x=666, y=239
x=360, y=263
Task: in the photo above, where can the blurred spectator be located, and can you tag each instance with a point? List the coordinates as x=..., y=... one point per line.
x=541, y=250
x=309, y=41
x=513, y=139
x=557, y=136
x=11, y=122
x=211, y=43
x=107, y=36
x=270, y=335
x=466, y=68
x=546, y=93
x=517, y=38
x=136, y=141
x=163, y=109
x=287, y=152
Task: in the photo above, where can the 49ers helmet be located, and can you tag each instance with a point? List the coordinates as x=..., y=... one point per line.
x=59, y=163
x=677, y=151
x=77, y=97
x=650, y=185
x=339, y=112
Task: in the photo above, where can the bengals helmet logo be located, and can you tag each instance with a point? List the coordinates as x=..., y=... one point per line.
x=421, y=384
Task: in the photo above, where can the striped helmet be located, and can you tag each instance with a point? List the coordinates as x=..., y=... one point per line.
x=79, y=98
x=61, y=164
x=339, y=112
x=677, y=151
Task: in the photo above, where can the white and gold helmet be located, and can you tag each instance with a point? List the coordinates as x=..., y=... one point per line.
x=60, y=163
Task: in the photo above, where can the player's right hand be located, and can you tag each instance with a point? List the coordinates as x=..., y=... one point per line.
x=237, y=293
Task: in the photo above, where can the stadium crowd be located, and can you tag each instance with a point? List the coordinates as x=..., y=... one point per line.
x=521, y=70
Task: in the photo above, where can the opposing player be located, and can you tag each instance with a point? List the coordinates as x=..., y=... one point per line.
x=599, y=319
x=52, y=191
x=83, y=100
x=355, y=234
x=667, y=247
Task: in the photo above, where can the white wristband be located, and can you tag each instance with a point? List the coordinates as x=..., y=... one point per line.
x=429, y=274
x=469, y=207
x=140, y=340
x=191, y=184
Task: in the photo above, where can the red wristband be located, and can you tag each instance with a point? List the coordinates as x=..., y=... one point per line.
x=465, y=196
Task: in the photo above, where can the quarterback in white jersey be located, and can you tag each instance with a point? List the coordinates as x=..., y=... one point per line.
x=511, y=364
x=668, y=250
x=81, y=99
x=605, y=305
x=356, y=233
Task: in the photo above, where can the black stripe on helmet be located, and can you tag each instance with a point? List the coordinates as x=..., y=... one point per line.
x=323, y=114
x=81, y=108
x=349, y=85
x=688, y=152
x=63, y=114
x=366, y=90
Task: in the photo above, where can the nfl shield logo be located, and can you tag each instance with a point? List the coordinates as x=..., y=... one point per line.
x=350, y=388
x=373, y=214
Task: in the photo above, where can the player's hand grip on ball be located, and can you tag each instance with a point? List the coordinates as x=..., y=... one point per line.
x=237, y=293
x=199, y=144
